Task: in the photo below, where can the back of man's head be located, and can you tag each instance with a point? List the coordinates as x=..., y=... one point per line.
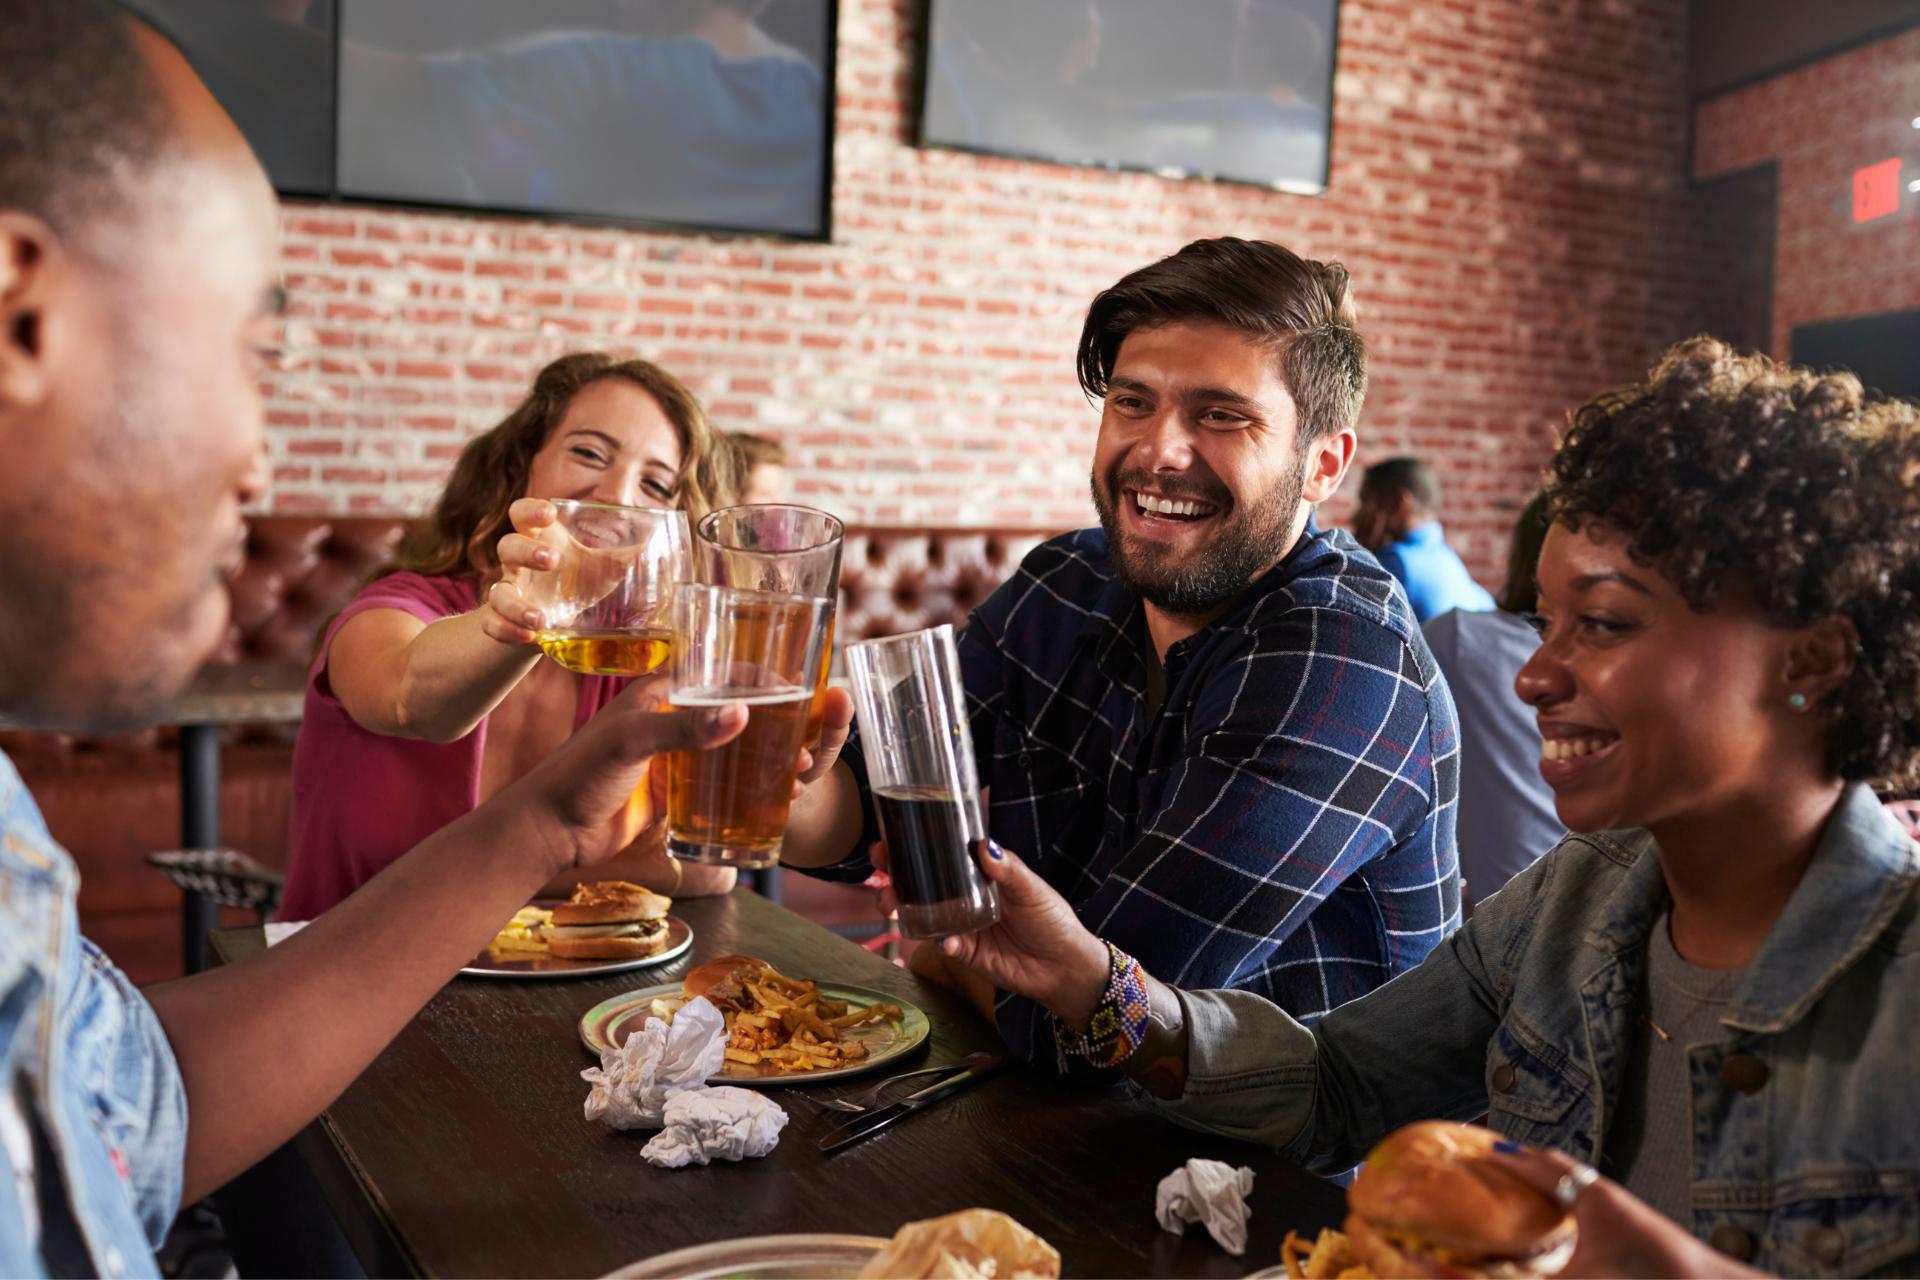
x=1384, y=481
x=81, y=114
x=1302, y=308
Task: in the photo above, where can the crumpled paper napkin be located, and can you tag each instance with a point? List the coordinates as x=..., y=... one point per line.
x=715, y=1123
x=656, y=1079
x=631, y=1084
x=1210, y=1192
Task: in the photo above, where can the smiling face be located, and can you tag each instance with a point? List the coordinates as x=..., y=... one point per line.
x=614, y=444
x=1199, y=475
x=1651, y=713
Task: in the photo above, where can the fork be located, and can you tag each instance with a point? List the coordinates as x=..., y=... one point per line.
x=872, y=1096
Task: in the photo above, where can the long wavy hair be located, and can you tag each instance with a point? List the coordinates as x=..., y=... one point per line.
x=462, y=534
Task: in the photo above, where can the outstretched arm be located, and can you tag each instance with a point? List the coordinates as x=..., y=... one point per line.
x=265, y=1045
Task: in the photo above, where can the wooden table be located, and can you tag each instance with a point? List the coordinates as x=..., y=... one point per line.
x=222, y=693
x=463, y=1149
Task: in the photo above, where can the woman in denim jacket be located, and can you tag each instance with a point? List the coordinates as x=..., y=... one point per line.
x=1711, y=990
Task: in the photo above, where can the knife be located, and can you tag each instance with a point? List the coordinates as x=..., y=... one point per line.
x=874, y=1121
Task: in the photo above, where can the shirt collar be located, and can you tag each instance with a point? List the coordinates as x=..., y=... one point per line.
x=1861, y=873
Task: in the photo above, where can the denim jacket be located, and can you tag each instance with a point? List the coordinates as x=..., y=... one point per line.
x=92, y=1071
x=1805, y=1135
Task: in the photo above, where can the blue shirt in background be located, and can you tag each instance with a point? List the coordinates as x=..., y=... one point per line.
x=1432, y=574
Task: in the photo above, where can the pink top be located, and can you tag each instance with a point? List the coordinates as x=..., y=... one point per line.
x=361, y=799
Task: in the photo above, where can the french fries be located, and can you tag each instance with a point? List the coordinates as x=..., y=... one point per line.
x=785, y=1025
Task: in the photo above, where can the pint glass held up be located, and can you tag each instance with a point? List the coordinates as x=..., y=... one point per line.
x=606, y=604
x=728, y=805
x=777, y=546
x=912, y=713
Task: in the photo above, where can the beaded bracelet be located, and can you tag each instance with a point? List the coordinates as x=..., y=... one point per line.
x=1119, y=1021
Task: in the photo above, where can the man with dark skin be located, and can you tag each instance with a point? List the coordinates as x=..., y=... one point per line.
x=138, y=247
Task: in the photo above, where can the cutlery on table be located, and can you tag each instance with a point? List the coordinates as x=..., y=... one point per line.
x=873, y=1121
x=867, y=1099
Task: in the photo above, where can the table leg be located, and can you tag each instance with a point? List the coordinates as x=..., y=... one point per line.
x=767, y=881
x=199, y=829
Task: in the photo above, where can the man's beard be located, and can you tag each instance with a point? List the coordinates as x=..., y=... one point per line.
x=1248, y=543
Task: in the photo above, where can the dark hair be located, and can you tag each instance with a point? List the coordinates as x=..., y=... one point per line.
x=1404, y=475
x=470, y=518
x=1302, y=308
x=1522, y=590
x=1724, y=468
x=81, y=112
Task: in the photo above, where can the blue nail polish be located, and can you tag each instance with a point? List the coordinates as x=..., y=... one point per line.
x=995, y=852
x=1505, y=1147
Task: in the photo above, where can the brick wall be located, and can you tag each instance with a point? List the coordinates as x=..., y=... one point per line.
x=1818, y=124
x=1507, y=187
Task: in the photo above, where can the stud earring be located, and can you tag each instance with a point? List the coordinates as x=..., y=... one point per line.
x=1798, y=701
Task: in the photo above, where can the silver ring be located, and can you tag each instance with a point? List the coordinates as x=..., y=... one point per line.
x=1576, y=1180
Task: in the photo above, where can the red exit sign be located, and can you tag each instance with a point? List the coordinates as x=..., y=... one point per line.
x=1876, y=190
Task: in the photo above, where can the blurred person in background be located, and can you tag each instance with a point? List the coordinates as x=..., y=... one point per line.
x=1506, y=807
x=1399, y=521
x=427, y=693
x=761, y=466
x=1709, y=990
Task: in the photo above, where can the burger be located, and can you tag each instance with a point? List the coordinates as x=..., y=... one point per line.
x=609, y=920
x=1430, y=1201
x=723, y=981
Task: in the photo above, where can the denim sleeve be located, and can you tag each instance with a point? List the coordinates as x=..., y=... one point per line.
x=140, y=1106
x=1415, y=1049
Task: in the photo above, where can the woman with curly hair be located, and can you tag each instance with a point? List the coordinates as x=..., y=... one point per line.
x=1710, y=988
x=427, y=693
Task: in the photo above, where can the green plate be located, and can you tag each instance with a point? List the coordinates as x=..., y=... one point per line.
x=609, y=1022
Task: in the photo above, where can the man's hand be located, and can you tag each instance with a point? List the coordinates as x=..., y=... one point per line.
x=587, y=797
x=836, y=723
x=1620, y=1235
x=1038, y=948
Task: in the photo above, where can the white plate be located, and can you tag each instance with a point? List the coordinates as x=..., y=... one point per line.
x=525, y=964
x=796, y=1257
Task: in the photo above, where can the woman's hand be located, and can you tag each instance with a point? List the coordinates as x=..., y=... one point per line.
x=584, y=797
x=511, y=615
x=1620, y=1235
x=1038, y=948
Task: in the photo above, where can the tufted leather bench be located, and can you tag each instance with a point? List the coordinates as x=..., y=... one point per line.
x=112, y=800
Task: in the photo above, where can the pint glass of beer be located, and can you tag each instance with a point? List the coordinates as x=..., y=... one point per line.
x=912, y=713
x=776, y=546
x=606, y=606
x=728, y=805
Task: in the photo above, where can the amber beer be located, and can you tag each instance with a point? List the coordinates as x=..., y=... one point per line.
x=735, y=797
x=817, y=710
x=608, y=652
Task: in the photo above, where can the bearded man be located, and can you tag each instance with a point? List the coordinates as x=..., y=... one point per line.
x=1211, y=724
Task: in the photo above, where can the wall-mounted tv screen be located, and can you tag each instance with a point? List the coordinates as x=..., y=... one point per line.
x=715, y=114
x=1230, y=89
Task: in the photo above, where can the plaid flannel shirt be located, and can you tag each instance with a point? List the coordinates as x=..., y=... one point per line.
x=1286, y=825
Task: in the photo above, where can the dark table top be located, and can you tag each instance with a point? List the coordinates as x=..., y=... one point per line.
x=463, y=1149
x=241, y=693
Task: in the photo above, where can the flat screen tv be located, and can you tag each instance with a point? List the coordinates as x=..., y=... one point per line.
x=1240, y=90
x=1879, y=350
x=708, y=114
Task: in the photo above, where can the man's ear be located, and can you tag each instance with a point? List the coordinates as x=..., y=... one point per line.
x=1327, y=461
x=30, y=258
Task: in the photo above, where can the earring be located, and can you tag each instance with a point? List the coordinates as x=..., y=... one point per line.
x=1798, y=701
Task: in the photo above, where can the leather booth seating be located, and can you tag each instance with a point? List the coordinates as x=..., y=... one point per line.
x=112, y=800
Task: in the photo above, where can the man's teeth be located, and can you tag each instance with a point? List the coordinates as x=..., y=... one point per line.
x=1568, y=748
x=1170, y=506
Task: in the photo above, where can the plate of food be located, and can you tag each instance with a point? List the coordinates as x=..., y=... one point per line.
x=972, y=1242
x=608, y=926
x=780, y=1029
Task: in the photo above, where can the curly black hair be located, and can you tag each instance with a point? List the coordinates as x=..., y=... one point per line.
x=1799, y=485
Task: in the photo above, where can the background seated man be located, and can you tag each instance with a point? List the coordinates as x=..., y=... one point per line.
x=137, y=262
x=1399, y=521
x=1213, y=722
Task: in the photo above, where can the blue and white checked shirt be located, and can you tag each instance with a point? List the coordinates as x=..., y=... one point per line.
x=1286, y=826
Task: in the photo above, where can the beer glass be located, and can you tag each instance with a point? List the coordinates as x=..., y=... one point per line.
x=728, y=805
x=777, y=547
x=912, y=713
x=606, y=606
